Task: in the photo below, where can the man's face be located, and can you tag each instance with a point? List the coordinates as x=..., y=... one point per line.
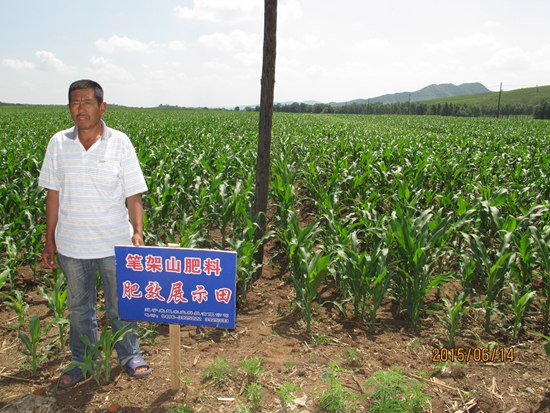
x=85, y=110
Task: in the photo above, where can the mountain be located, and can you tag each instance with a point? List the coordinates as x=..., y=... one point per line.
x=429, y=92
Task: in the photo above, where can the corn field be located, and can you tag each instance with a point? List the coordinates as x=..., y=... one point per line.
x=442, y=217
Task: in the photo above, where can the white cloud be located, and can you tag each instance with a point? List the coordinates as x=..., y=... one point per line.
x=103, y=67
x=475, y=40
x=311, y=40
x=541, y=58
x=176, y=46
x=122, y=43
x=227, y=11
x=512, y=59
x=52, y=61
x=125, y=44
x=173, y=71
x=516, y=60
x=236, y=11
x=218, y=67
x=287, y=43
x=491, y=24
x=370, y=44
x=249, y=59
x=17, y=64
x=287, y=65
x=237, y=40
x=315, y=71
x=291, y=10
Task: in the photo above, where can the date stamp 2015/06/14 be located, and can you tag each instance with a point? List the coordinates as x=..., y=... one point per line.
x=475, y=354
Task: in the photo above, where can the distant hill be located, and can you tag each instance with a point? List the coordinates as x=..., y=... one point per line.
x=531, y=96
x=444, y=90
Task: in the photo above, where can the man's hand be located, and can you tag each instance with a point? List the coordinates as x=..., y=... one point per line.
x=52, y=213
x=48, y=257
x=135, y=211
x=137, y=240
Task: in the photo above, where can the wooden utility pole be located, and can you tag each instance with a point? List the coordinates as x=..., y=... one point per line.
x=266, y=117
x=498, y=106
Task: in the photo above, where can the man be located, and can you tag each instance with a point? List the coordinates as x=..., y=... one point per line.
x=93, y=203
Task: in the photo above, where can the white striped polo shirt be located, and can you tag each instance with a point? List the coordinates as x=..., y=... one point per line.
x=93, y=186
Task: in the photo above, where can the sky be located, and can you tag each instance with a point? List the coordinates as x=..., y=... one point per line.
x=208, y=53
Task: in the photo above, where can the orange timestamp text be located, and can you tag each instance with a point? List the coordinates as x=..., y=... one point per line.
x=475, y=354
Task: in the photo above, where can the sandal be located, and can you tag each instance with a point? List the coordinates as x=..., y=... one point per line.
x=132, y=366
x=75, y=375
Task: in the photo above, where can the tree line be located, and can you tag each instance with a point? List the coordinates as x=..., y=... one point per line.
x=540, y=111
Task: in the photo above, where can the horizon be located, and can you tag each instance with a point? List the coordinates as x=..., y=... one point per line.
x=242, y=107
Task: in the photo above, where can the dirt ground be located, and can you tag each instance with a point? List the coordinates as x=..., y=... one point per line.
x=269, y=328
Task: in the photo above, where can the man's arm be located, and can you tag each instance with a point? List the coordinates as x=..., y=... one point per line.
x=52, y=214
x=135, y=211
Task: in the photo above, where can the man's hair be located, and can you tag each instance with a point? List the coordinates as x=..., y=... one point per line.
x=87, y=84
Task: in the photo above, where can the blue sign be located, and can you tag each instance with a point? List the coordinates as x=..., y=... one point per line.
x=177, y=285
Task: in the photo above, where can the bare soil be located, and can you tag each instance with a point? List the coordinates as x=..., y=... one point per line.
x=269, y=327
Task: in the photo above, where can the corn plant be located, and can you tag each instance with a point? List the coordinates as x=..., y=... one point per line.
x=19, y=306
x=365, y=277
x=308, y=266
x=10, y=261
x=57, y=303
x=308, y=269
x=189, y=229
x=493, y=267
x=520, y=305
x=97, y=357
x=330, y=176
x=525, y=264
x=417, y=241
x=467, y=273
x=453, y=311
x=542, y=251
x=243, y=243
x=31, y=343
x=283, y=192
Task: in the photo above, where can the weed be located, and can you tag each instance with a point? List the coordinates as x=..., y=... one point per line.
x=352, y=357
x=337, y=398
x=185, y=382
x=285, y=393
x=396, y=393
x=289, y=365
x=149, y=332
x=318, y=339
x=180, y=409
x=252, y=368
x=253, y=393
x=218, y=371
